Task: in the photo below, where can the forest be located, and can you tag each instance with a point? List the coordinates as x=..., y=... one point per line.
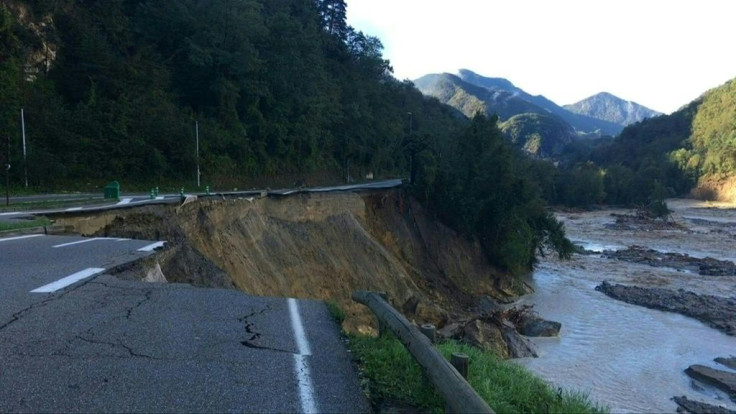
x=113, y=90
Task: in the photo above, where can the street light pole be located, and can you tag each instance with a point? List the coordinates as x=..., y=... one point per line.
x=196, y=127
x=23, y=129
x=7, y=172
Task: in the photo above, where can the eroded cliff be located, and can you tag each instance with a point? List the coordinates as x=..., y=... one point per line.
x=321, y=246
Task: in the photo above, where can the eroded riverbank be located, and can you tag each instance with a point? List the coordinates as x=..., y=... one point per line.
x=627, y=356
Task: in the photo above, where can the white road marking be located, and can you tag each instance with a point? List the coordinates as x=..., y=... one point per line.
x=10, y=214
x=21, y=237
x=76, y=242
x=74, y=209
x=303, y=376
x=124, y=201
x=152, y=246
x=87, y=241
x=73, y=278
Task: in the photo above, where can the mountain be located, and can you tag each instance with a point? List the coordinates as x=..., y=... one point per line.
x=692, y=149
x=611, y=108
x=540, y=135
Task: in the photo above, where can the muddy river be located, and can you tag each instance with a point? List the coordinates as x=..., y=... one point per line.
x=628, y=357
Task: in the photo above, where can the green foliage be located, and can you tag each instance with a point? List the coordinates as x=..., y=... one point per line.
x=336, y=312
x=484, y=188
x=280, y=87
x=540, y=135
x=393, y=375
x=24, y=224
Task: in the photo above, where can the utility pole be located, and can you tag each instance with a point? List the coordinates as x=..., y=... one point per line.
x=411, y=150
x=196, y=128
x=7, y=172
x=23, y=129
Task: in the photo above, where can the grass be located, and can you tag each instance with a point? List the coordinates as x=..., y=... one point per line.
x=51, y=204
x=392, y=374
x=23, y=224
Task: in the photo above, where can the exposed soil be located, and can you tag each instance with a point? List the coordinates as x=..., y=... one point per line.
x=321, y=246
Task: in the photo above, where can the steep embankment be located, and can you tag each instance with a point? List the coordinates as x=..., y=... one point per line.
x=322, y=246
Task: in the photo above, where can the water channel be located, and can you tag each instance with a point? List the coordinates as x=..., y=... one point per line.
x=625, y=356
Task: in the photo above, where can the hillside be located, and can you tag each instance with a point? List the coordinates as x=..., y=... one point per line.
x=540, y=135
x=607, y=107
x=112, y=90
x=691, y=151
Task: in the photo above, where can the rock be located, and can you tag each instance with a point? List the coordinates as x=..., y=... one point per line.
x=723, y=380
x=486, y=336
x=729, y=362
x=155, y=275
x=718, y=312
x=488, y=306
x=696, y=407
x=453, y=330
x=533, y=325
x=706, y=266
x=518, y=346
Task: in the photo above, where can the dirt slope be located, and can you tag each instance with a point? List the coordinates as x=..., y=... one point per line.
x=322, y=246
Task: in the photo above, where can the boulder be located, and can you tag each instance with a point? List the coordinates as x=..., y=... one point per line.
x=532, y=325
x=695, y=407
x=453, y=330
x=729, y=362
x=723, y=380
x=485, y=336
x=518, y=346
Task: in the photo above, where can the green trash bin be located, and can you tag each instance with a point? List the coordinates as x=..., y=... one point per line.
x=112, y=190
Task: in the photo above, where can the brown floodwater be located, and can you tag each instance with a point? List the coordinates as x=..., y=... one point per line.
x=625, y=356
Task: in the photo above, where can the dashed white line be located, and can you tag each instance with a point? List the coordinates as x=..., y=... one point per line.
x=152, y=246
x=21, y=237
x=124, y=201
x=11, y=214
x=74, y=209
x=73, y=278
x=303, y=376
x=76, y=242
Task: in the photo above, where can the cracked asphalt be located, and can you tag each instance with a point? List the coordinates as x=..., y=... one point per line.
x=109, y=345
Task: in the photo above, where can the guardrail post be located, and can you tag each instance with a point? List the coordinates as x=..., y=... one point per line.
x=429, y=331
x=459, y=396
x=460, y=362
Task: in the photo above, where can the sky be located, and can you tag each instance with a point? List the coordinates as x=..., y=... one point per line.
x=659, y=53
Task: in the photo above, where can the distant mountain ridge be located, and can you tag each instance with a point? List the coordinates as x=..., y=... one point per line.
x=469, y=92
x=611, y=108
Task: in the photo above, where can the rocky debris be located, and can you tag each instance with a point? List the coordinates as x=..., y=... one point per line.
x=528, y=323
x=642, y=221
x=706, y=266
x=686, y=405
x=723, y=380
x=487, y=306
x=717, y=312
x=729, y=362
x=501, y=331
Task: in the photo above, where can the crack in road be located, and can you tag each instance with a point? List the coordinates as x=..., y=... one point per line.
x=129, y=349
x=253, y=335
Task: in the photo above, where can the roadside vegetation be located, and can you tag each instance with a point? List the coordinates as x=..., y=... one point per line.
x=23, y=224
x=391, y=377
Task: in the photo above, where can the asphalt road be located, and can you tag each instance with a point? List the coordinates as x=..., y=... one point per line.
x=128, y=201
x=108, y=345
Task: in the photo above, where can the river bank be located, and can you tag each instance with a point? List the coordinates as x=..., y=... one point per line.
x=626, y=356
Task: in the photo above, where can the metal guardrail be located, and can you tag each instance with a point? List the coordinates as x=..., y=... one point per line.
x=459, y=396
